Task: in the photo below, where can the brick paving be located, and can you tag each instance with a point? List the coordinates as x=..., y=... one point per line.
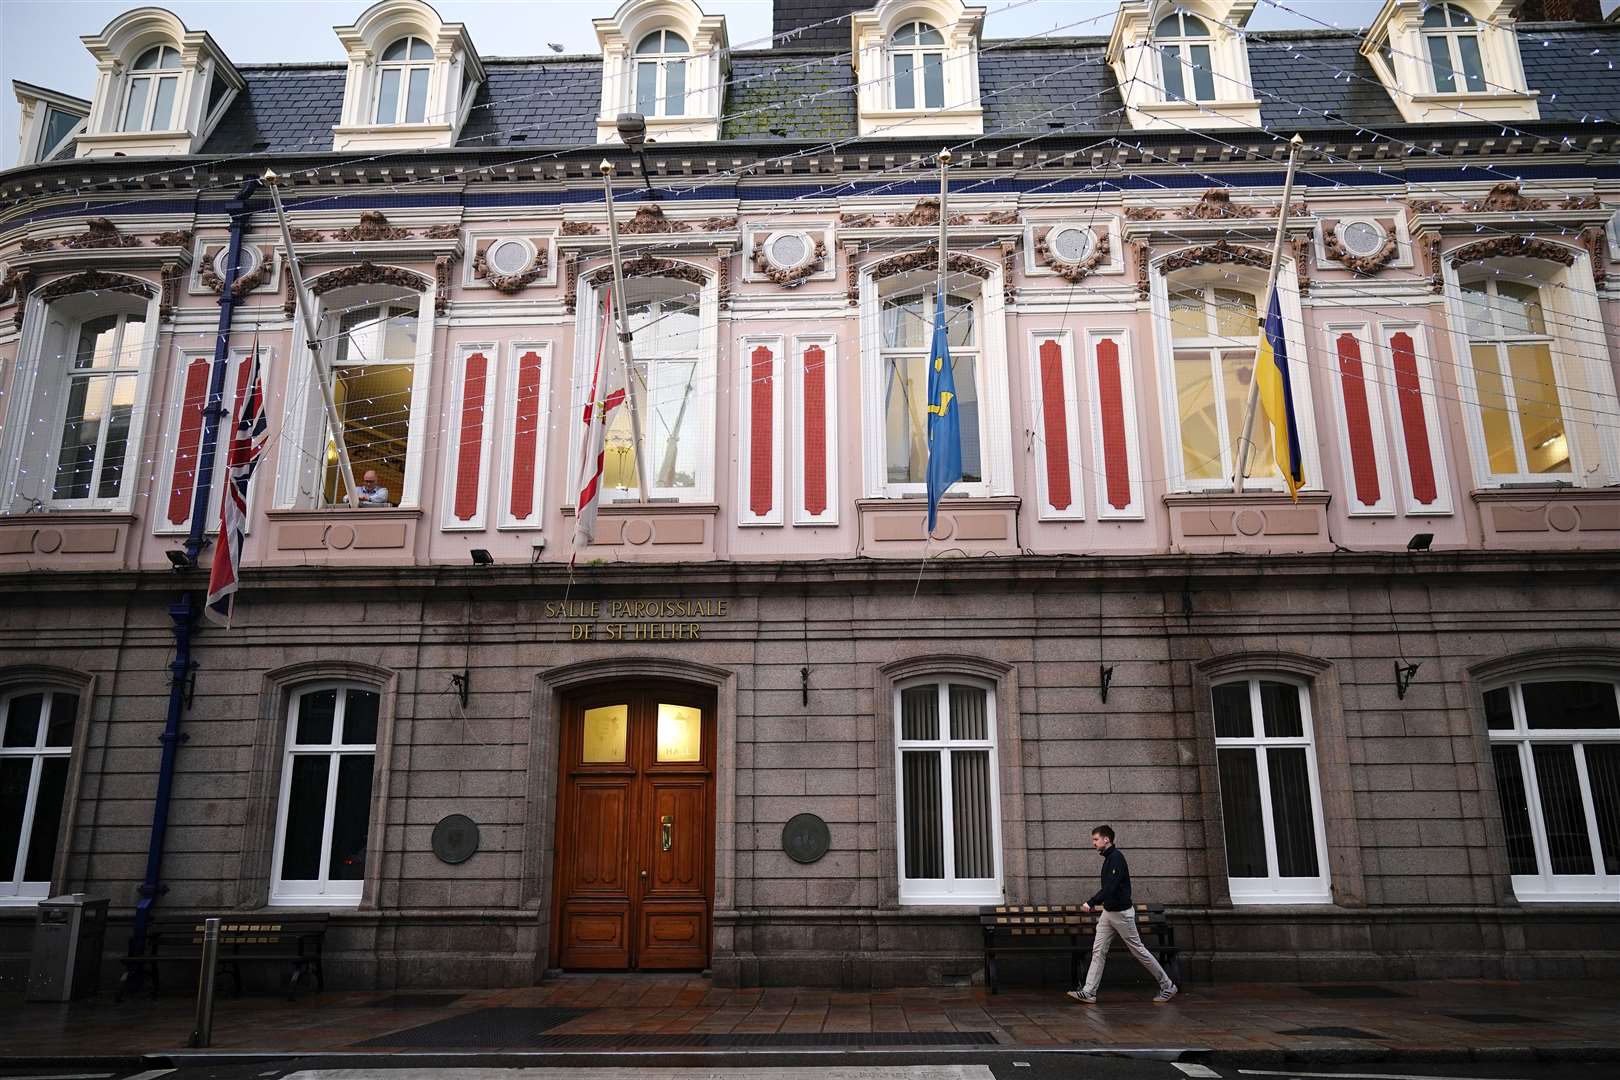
x=1418, y=1017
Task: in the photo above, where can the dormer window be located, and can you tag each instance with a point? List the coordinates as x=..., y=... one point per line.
x=661, y=74
x=1452, y=38
x=149, y=96
x=917, y=59
x=48, y=121
x=1184, y=59
x=407, y=64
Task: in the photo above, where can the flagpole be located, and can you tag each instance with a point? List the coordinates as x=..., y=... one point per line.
x=313, y=339
x=944, y=217
x=621, y=308
x=1246, y=442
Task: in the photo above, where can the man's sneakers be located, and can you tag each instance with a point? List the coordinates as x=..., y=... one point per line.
x=1164, y=996
x=1082, y=997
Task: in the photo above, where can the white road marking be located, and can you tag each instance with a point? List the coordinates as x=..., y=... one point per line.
x=1189, y=1068
x=856, y=1072
x=153, y=1074
x=1364, y=1076
x=63, y=1076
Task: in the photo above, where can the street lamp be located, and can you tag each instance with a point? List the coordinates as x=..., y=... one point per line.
x=632, y=128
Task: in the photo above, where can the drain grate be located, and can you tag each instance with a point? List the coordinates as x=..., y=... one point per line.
x=1351, y=992
x=1500, y=1018
x=696, y=1040
x=415, y=1001
x=1333, y=1033
x=480, y=1029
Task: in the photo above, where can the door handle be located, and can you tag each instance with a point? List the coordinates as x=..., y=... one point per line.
x=666, y=826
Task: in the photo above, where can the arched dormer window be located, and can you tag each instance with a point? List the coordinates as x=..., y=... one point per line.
x=402, y=81
x=917, y=65
x=1451, y=40
x=1184, y=59
x=661, y=74
x=150, y=90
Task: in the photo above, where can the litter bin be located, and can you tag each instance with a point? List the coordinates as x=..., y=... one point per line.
x=69, y=932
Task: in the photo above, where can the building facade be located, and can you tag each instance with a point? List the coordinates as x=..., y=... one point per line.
x=1369, y=732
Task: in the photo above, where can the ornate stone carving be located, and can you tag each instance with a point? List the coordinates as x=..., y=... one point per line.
x=307, y=236
x=1430, y=243
x=717, y=224
x=367, y=273
x=1143, y=213
x=858, y=221
x=101, y=233
x=441, y=283
x=169, y=280
x=289, y=302
x=1144, y=257
x=447, y=231
x=580, y=228
x=1595, y=242
x=790, y=279
x=17, y=285
x=1428, y=206
x=723, y=288
x=647, y=265
x=1302, y=263
x=1073, y=272
x=1001, y=217
x=32, y=246
x=1365, y=265
x=94, y=281
x=1220, y=252
x=927, y=257
x=244, y=284
x=373, y=227
x=1505, y=198
x=1581, y=202
x=852, y=274
x=1528, y=247
x=650, y=218
x=173, y=238
x=571, y=282
x=1216, y=203
x=926, y=212
x=508, y=283
x=1009, y=291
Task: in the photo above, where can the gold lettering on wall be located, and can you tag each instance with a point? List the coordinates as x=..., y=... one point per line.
x=583, y=617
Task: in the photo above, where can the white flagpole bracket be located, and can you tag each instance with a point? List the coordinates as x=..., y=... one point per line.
x=313, y=339
x=620, y=307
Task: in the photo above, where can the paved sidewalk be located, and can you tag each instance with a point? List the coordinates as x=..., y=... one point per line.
x=594, y=1012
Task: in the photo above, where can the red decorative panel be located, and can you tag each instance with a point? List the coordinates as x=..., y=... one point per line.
x=1363, y=456
x=525, y=435
x=1111, y=407
x=759, y=438
x=470, y=452
x=815, y=430
x=1056, y=420
x=188, y=445
x=1414, y=424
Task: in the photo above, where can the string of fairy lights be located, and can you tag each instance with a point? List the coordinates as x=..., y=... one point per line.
x=868, y=247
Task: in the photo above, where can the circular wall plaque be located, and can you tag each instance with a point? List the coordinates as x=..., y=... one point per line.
x=805, y=838
x=455, y=838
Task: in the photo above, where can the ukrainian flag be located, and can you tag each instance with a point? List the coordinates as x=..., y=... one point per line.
x=1277, y=398
x=944, y=417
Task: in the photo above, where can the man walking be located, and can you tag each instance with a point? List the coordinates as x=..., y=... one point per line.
x=1116, y=915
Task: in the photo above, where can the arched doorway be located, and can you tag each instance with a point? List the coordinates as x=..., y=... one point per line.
x=634, y=881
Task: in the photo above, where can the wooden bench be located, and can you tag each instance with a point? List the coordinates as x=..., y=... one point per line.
x=293, y=942
x=1065, y=929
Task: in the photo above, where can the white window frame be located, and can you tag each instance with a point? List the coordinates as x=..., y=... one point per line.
x=662, y=59
x=918, y=54
x=124, y=369
x=948, y=890
x=406, y=68
x=16, y=892
x=1451, y=33
x=1545, y=886
x=43, y=152
x=1183, y=44
x=323, y=892
x=155, y=77
x=706, y=374
x=1218, y=346
x=1372, y=375
x=1430, y=394
x=995, y=424
x=1273, y=889
x=515, y=351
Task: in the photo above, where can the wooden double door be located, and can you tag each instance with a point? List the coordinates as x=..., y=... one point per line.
x=635, y=831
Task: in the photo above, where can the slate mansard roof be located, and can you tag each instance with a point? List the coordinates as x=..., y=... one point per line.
x=1028, y=87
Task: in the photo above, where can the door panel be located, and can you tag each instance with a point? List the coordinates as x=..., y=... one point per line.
x=635, y=876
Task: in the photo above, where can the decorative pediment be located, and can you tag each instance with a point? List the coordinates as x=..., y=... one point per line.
x=646, y=265
x=372, y=228
x=955, y=262
x=1507, y=247
x=95, y=281
x=924, y=214
x=1072, y=272
x=100, y=233
x=650, y=218
x=368, y=273
x=1217, y=253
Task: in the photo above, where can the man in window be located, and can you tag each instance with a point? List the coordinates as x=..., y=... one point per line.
x=371, y=493
x=1116, y=915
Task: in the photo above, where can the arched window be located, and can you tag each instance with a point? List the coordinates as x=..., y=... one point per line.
x=949, y=826
x=917, y=62
x=36, y=741
x=667, y=342
x=1271, y=800
x=1452, y=38
x=1555, y=747
x=1213, y=332
x=1184, y=57
x=661, y=74
x=324, y=815
x=97, y=409
x=149, y=96
x=402, y=82
x=1515, y=380
x=907, y=333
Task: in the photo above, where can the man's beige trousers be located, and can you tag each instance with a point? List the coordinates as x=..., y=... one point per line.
x=1122, y=923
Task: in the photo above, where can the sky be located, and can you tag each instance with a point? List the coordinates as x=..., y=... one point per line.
x=39, y=39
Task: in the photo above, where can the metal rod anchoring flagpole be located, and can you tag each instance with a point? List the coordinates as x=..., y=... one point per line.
x=621, y=308
x=313, y=338
x=1240, y=466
